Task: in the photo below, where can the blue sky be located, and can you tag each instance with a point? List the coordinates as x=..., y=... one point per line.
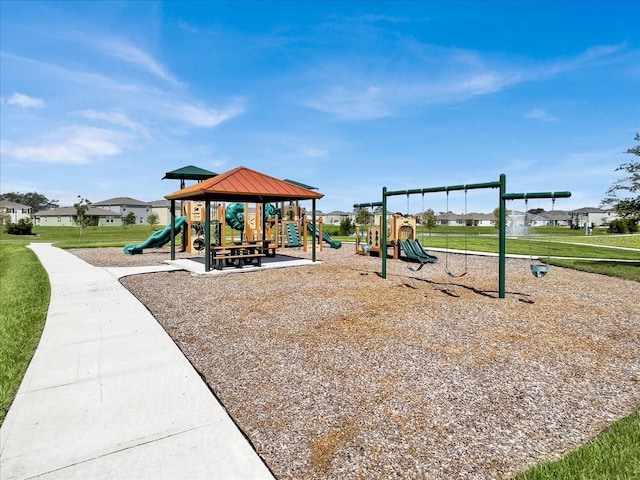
x=100, y=99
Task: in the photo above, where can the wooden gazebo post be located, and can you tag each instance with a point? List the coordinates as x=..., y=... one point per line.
x=173, y=229
x=313, y=237
x=207, y=235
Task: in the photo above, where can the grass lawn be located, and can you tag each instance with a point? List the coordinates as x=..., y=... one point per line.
x=630, y=271
x=24, y=298
x=614, y=455
x=69, y=237
x=562, y=242
x=25, y=292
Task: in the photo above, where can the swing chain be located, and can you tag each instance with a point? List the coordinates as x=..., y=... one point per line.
x=408, y=205
x=553, y=206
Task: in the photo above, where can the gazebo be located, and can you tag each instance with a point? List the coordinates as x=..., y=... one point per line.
x=240, y=185
x=189, y=172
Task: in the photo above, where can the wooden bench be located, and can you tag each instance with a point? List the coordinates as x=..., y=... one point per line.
x=236, y=256
x=268, y=251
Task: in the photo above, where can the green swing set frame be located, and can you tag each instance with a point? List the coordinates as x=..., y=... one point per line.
x=501, y=185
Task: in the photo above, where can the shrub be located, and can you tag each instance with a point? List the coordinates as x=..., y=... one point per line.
x=623, y=225
x=331, y=229
x=129, y=219
x=345, y=226
x=153, y=220
x=23, y=227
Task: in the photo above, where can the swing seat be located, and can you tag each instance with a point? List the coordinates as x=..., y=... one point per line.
x=416, y=269
x=453, y=275
x=539, y=270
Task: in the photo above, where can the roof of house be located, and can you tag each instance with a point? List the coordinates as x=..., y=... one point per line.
x=128, y=201
x=189, y=172
x=587, y=210
x=467, y=216
x=8, y=204
x=71, y=211
x=339, y=213
x=554, y=215
x=244, y=185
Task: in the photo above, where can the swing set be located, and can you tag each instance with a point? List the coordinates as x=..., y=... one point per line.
x=538, y=270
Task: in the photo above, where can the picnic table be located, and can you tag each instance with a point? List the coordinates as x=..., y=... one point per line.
x=239, y=254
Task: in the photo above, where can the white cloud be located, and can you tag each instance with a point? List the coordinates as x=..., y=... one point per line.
x=202, y=116
x=186, y=26
x=25, y=101
x=480, y=84
x=428, y=75
x=87, y=80
x=351, y=103
x=540, y=114
x=307, y=151
x=382, y=18
x=134, y=55
x=115, y=118
x=77, y=145
x=283, y=146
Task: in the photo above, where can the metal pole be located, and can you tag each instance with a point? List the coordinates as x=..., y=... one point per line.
x=207, y=236
x=313, y=236
x=502, y=238
x=383, y=250
x=522, y=196
x=173, y=229
x=450, y=188
x=367, y=205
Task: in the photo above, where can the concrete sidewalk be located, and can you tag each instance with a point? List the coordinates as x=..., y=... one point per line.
x=109, y=395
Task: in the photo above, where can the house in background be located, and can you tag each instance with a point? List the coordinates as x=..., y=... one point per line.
x=481, y=219
x=335, y=218
x=558, y=218
x=64, y=217
x=14, y=211
x=592, y=216
x=470, y=219
x=122, y=206
x=162, y=208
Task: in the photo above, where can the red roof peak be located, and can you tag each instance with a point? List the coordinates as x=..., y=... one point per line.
x=244, y=184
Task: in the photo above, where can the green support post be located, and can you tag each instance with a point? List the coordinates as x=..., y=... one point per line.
x=383, y=253
x=173, y=229
x=207, y=236
x=313, y=235
x=502, y=239
x=502, y=231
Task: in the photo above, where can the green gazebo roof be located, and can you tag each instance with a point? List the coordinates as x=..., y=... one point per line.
x=189, y=172
x=298, y=184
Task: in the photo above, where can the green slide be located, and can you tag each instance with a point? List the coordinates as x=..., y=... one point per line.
x=414, y=252
x=157, y=239
x=419, y=249
x=293, y=235
x=325, y=236
x=234, y=214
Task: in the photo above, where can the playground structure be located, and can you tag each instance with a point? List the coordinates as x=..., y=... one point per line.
x=285, y=226
x=401, y=236
x=157, y=239
x=537, y=270
x=241, y=185
x=403, y=227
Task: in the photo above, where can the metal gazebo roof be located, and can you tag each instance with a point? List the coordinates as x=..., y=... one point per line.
x=190, y=172
x=308, y=187
x=244, y=185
